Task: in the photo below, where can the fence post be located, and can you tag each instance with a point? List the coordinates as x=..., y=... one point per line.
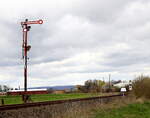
x=2, y=101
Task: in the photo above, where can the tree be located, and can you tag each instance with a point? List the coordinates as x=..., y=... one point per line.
x=6, y=88
x=93, y=85
x=141, y=87
x=0, y=88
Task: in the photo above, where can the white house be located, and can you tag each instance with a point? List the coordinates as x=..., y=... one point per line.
x=122, y=84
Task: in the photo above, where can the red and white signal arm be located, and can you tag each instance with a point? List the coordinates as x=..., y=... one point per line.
x=40, y=21
x=32, y=22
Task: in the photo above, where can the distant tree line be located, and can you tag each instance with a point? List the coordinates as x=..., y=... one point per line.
x=4, y=88
x=91, y=86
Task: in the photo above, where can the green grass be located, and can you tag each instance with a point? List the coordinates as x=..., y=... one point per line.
x=46, y=97
x=11, y=99
x=50, y=97
x=131, y=111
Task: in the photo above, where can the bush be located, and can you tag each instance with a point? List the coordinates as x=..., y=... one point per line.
x=141, y=87
x=115, y=89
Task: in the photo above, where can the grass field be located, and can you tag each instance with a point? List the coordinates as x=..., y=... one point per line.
x=131, y=111
x=47, y=97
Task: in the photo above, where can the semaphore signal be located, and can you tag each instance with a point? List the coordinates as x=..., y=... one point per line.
x=26, y=48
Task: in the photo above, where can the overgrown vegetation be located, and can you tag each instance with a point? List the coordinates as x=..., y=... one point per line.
x=141, y=87
x=136, y=110
x=94, y=110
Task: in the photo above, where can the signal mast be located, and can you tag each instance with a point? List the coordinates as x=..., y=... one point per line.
x=26, y=48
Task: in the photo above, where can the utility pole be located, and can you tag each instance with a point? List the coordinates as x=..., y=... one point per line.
x=103, y=79
x=109, y=82
x=26, y=48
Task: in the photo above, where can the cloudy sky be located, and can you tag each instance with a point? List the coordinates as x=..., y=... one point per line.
x=79, y=40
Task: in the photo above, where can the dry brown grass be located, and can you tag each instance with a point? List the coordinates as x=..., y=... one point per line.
x=141, y=87
x=89, y=111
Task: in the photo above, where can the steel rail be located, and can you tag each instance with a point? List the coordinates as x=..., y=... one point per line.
x=35, y=104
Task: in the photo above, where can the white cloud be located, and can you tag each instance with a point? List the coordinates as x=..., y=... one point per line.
x=79, y=40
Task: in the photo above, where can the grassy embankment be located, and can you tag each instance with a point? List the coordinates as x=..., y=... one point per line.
x=48, y=97
x=136, y=110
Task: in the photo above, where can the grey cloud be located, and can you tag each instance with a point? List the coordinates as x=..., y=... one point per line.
x=74, y=27
x=126, y=59
x=98, y=10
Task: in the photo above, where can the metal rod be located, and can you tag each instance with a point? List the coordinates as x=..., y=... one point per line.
x=25, y=62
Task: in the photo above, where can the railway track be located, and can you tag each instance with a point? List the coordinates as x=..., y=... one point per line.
x=18, y=106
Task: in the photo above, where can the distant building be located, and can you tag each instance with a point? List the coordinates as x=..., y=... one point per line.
x=124, y=84
x=121, y=84
x=58, y=91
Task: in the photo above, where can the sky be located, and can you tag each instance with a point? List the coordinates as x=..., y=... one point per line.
x=79, y=40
